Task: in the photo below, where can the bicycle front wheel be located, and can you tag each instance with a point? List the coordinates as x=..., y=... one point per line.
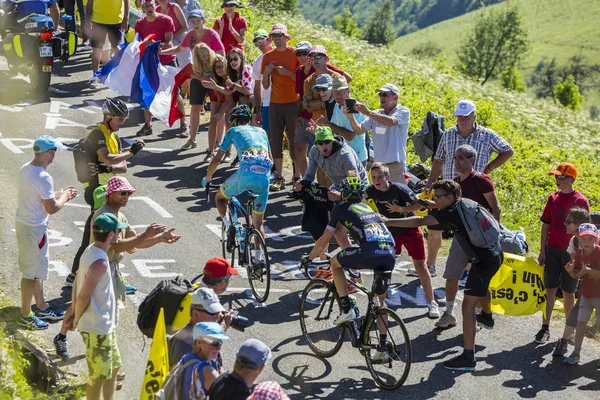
x=319, y=307
x=258, y=266
x=388, y=361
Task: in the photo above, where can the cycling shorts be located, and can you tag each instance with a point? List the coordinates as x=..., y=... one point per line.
x=249, y=177
x=377, y=256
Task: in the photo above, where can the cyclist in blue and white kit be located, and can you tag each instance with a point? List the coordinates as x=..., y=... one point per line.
x=254, y=151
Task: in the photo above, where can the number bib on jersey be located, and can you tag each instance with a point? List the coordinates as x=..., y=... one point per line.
x=256, y=157
x=377, y=232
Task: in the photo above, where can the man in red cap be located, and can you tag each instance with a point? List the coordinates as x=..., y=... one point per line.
x=118, y=191
x=279, y=70
x=554, y=242
x=217, y=273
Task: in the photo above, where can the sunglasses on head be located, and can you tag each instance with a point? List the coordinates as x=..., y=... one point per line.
x=322, y=142
x=277, y=35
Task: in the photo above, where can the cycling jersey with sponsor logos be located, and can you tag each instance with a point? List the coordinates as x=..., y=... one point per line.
x=251, y=143
x=363, y=224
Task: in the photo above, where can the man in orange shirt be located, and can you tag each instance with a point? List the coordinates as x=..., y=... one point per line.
x=279, y=69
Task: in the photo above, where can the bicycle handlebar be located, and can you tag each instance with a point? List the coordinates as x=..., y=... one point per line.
x=207, y=188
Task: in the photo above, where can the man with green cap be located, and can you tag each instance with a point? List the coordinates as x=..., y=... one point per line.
x=95, y=306
x=262, y=97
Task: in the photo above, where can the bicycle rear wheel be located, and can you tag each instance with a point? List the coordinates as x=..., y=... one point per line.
x=224, y=245
x=389, y=362
x=259, y=268
x=319, y=307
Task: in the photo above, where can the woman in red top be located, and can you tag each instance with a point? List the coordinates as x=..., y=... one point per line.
x=231, y=27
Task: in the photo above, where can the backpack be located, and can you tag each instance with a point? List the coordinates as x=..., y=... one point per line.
x=81, y=156
x=482, y=228
x=174, y=381
x=168, y=294
x=514, y=242
x=427, y=140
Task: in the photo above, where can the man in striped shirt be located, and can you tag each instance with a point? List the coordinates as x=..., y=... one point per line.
x=484, y=140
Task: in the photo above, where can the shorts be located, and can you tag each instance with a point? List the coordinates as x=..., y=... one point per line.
x=377, y=256
x=437, y=227
x=254, y=178
x=555, y=274
x=573, y=316
x=397, y=170
x=457, y=262
x=282, y=117
x=102, y=355
x=197, y=92
x=413, y=242
x=586, y=307
x=303, y=135
x=481, y=274
x=33, y=251
x=265, y=118
x=99, y=32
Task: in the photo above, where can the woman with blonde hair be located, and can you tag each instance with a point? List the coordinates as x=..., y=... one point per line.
x=221, y=102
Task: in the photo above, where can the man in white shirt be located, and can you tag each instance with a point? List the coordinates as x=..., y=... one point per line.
x=37, y=200
x=262, y=97
x=389, y=125
x=95, y=307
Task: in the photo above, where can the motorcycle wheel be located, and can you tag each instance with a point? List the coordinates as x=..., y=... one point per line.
x=40, y=81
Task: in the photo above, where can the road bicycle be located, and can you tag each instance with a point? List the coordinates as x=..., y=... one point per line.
x=380, y=335
x=243, y=239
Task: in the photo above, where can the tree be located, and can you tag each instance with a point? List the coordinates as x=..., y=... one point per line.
x=567, y=93
x=585, y=75
x=496, y=42
x=512, y=79
x=545, y=77
x=426, y=50
x=347, y=23
x=379, y=28
x=271, y=6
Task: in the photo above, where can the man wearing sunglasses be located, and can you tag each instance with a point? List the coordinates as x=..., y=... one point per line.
x=555, y=241
x=118, y=191
x=37, y=200
x=205, y=307
x=262, y=96
x=485, y=262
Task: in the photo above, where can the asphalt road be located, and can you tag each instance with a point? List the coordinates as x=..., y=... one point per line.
x=168, y=187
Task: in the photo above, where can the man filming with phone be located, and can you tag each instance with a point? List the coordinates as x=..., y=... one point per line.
x=340, y=123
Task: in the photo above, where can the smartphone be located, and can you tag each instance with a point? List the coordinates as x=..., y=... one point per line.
x=350, y=102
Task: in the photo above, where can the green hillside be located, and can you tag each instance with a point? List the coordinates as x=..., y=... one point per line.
x=409, y=15
x=557, y=28
x=542, y=133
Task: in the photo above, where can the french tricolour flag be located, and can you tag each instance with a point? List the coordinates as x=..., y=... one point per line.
x=136, y=71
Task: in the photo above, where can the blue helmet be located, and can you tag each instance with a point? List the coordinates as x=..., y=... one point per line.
x=240, y=115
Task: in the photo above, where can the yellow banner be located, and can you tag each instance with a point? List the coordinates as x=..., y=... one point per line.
x=182, y=318
x=157, y=367
x=518, y=287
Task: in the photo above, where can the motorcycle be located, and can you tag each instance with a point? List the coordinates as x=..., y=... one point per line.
x=31, y=43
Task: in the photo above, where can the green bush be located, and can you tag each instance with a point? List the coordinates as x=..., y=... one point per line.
x=567, y=93
x=542, y=133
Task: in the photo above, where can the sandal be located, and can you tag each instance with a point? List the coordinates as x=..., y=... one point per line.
x=184, y=133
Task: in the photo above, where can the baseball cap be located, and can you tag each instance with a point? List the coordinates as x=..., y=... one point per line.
x=280, y=28
x=207, y=299
x=318, y=49
x=303, y=46
x=253, y=353
x=118, y=184
x=196, y=14
x=389, y=87
x=339, y=83
x=323, y=81
x=464, y=108
x=99, y=196
x=268, y=390
x=324, y=133
x=45, y=143
x=588, y=229
x=261, y=33
x=209, y=329
x=566, y=169
x=107, y=222
x=218, y=267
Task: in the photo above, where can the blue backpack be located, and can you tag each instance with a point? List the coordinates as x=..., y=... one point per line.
x=482, y=228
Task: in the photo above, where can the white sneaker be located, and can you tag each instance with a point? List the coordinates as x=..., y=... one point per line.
x=345, y=317
x=447, y=321
x=94, y=82
x=434, y=311
x=380, y=356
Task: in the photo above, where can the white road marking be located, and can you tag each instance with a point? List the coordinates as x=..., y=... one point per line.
x=59, y=267
x=70, y=204
x=53, y=121
x=56, y=106
x=153, y=205
x=243, y=289
x=216, y=229
x=157, y=149
x=56, y=238
x=145, y=268
x=137, y=298
x=290, y=232
x=272, y=235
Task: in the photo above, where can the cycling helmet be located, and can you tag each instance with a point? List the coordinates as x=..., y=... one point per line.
x=352, y=189
x=115, y=107
x=240, y=115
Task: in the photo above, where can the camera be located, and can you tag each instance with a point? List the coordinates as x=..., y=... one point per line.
x=350, y=102
x=239, y=323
